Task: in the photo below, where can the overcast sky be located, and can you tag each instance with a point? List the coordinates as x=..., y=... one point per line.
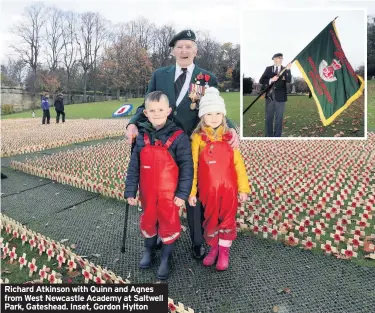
x=221, y=18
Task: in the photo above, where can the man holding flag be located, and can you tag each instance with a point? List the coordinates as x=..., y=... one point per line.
x=333, y=83
x=276, y=96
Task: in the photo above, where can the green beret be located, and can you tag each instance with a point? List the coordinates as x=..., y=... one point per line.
x=184, y=35
x=277, y=55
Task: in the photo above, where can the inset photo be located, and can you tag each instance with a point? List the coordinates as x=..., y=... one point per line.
x=303, y=73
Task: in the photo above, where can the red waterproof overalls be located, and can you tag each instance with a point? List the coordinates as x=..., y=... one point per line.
x=157, y=186
x=217, y=186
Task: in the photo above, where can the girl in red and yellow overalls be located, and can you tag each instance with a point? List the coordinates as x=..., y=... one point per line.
x=219, y=175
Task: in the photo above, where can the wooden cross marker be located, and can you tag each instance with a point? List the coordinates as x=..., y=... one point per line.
x=32, y=267
x=86, y=273
x=12, y=255
x=98, y=278
x=52, y=278
x=50, y=253
x=32, y=243
x=43, y=273
x=24, y=238
x=41, y=248
x=5, y=250
x=71, y=264
x=22, y=261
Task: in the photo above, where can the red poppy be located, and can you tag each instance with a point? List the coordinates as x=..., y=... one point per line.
x=171, y=307
x=206, y=77
x=227, y=136
x=349, y=253
x=200, y=76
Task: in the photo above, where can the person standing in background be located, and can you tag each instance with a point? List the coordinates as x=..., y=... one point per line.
x=45, y=108
x=59, y=107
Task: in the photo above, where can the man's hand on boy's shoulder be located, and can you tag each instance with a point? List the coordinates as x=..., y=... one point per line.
x=131, y=133
x=235, y=141
x=178, y=201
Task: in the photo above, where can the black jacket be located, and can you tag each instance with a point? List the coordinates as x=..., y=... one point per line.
x=280, y=85
x=59, y=104
x=180, y=150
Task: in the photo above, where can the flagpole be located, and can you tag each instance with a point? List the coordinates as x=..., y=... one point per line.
x=267, y=89
x=272, y=85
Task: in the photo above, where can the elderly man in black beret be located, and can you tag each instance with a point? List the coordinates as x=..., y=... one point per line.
x=178, y=82
x=277, y=96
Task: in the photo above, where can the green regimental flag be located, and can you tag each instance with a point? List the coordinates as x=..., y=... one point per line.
x=329, y=75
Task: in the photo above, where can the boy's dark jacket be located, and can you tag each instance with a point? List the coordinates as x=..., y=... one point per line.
x=180, y=150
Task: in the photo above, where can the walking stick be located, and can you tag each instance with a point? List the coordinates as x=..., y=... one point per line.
x=126, y=214
x=125, y=227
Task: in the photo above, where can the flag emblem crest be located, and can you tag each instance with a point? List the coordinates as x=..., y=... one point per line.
x=327, y=72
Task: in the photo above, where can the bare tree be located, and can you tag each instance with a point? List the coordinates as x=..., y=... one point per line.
x=54, y=33
x=99, y=36
x=84, y=42
x=142, y=30
x=160, y=51
x=69, y=46
x=29, y=31
x=14, y=72
x=89, y=38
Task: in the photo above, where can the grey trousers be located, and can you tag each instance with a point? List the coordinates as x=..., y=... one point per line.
x=274, y=112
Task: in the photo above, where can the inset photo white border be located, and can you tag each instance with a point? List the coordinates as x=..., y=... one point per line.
x=259, y=32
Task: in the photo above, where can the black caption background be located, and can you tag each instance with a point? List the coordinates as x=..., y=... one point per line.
x=153, y=306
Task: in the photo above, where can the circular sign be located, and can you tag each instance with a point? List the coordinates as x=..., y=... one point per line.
x=124, y=110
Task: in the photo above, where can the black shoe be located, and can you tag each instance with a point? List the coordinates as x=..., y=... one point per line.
x=159, y=244
x=198, y=252
x=149, y=253
x=3, y=176
x=166, y=254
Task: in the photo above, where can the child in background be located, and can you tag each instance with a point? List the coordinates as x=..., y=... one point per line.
x=219, y=175
x=45, y=108
x=161, y=163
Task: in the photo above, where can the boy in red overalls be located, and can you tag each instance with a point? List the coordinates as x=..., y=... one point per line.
x=161, y=163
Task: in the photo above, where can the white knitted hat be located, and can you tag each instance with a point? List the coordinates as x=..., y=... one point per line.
x=211, y=102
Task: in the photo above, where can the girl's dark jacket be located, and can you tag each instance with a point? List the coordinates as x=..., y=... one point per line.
x=180, y=150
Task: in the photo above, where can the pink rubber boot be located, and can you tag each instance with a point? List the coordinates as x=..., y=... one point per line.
x=211, y=256
x=223, y=260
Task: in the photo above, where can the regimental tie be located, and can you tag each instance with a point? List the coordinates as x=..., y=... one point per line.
x=277, y=70
x=179, y=83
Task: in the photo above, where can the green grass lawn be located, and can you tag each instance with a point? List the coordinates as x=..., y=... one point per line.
x=371, y=105
x=301, y=119
x=106, y=108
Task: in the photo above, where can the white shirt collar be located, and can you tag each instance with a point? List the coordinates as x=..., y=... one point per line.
x=190, y=68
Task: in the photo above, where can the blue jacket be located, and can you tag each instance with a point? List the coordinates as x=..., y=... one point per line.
x=180, y=150
x=45, y=104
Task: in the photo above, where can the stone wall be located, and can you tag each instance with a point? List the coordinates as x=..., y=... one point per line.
x=23, y=100
x=20, y=99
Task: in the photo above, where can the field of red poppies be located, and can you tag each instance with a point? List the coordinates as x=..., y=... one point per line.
x=21, y=136
x=311, y=194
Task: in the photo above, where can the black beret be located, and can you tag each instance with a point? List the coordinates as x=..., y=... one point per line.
x=184, y=35
x=277, y=55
